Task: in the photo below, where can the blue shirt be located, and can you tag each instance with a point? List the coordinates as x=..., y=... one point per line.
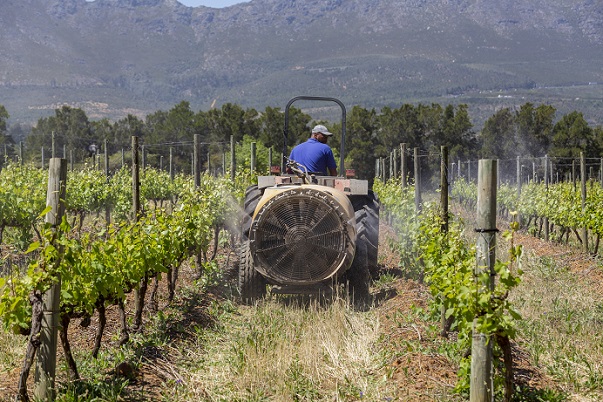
x=315, y=156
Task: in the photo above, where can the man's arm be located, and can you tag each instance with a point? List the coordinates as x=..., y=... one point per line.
x=333, y=171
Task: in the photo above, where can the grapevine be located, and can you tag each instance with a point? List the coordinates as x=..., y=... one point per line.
x=447, y=262
x=100, y=267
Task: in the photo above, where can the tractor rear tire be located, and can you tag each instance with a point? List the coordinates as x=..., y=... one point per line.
x=366, y=209
x=359, y=276
x=252, y=285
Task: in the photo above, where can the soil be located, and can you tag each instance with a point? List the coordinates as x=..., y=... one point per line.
x=419, y=376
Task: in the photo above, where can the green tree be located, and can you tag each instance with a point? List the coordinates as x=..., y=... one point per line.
x=103, y=130
x=362, y=127
x=3, y=118
x=4, y=137
x=271, y=124
x=398, y=126
x=231, y=119
x=498, y=136
x=572, y=135
x=598, y=137
x=534, y=129
x=126, y=128
x=458, y=134
x=71, y=129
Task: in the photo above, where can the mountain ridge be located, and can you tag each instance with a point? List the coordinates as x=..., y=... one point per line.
x=145, y=55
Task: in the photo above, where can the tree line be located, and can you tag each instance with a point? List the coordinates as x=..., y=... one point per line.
x=529, y=130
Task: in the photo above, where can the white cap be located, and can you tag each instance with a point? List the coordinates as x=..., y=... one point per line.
x=321, y=129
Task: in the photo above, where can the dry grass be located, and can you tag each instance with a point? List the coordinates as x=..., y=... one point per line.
x=290, y=351
x=12, y=351
x=562, y=309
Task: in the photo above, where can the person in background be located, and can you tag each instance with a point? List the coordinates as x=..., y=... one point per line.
x=315, y=154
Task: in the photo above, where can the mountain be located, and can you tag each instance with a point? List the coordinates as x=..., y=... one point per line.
x=113, y=57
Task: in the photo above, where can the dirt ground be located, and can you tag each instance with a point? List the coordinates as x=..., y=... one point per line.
x=419, y=376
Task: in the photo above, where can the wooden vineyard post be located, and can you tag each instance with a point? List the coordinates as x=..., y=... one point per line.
x=252, y=161
x=403, y=165
x=196, y=160
x=136, y=207
x=417, y=180
x=52, y=146
x=233, y=167
x=135, y=179
x=574, y=180
x=395, y=162
x=481, y=347
x=107, y=208
x=498, y=173
x=444, y=188
x=46, y=363
x=171, y=163
x=224, y=163
x=546, y=190
x=583, y=193
x=269, y=159
x=518, y=172
x=445, y=323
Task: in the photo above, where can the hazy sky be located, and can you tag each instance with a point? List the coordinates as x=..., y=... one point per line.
x=210, y=3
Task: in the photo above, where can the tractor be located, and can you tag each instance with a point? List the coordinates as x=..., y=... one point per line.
x=307, y=234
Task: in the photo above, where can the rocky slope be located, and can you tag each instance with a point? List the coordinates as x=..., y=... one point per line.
x=119, y=56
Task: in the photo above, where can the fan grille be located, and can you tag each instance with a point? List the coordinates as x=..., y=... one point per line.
x=299, y=238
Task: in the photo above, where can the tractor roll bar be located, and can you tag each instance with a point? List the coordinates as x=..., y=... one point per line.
x=315, y=98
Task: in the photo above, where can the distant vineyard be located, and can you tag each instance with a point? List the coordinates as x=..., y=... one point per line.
x=560, y=204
